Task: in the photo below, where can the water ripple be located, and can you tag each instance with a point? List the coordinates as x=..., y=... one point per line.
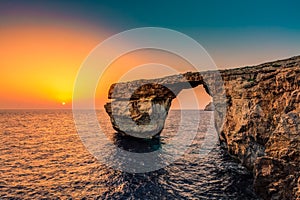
x=41, y=156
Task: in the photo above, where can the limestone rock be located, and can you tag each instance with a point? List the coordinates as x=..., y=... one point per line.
x=209, y=107
x=257, y=116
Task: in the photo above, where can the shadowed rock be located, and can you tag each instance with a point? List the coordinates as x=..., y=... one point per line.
x=209, y=107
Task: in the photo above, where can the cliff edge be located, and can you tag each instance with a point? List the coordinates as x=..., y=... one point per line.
x=257, y=114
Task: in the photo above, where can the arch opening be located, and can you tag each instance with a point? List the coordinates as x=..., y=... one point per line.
x=201, y=93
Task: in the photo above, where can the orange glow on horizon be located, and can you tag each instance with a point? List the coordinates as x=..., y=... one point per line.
x=38, y=65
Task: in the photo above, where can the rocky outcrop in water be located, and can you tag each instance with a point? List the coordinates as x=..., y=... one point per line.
x=257, y=114
x=139, y=108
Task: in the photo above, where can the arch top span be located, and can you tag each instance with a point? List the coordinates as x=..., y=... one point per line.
x=139, y=108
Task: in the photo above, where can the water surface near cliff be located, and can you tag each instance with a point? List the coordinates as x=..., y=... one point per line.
x=41, y=155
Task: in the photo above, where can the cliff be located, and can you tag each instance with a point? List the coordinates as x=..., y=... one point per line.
x=257, y=114
x=262, y=126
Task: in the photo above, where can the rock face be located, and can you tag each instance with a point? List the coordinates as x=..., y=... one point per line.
x=262, y=126
x=143, y=114
x=257, y=114
x=209, y=107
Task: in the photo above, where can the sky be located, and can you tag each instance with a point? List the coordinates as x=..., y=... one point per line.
x=44, y=43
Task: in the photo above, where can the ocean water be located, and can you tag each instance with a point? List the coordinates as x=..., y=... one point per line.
x=42, y=157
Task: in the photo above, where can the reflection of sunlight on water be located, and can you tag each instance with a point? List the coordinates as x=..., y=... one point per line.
x=41, y=155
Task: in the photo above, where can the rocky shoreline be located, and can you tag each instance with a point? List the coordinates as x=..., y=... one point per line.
x=257, y=114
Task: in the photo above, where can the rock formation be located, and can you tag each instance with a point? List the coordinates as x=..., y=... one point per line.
x=209, y=107
x=257, y=114
x=139, y=108
x=262, y=126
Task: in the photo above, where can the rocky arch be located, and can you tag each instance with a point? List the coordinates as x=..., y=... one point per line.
x=139, y=108
x=260, y=107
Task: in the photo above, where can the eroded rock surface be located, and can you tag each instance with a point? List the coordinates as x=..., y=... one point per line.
x=261, y=117
x=262, y=126
x=139, y=108
x=209, y=107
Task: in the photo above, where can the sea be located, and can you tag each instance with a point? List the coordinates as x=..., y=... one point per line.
x=42, y=156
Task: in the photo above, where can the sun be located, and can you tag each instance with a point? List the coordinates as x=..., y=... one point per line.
x=63, y=103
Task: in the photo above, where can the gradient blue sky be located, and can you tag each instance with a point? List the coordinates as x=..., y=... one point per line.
x=235, y=33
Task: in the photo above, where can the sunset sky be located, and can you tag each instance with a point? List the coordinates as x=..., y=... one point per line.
x=44, y=43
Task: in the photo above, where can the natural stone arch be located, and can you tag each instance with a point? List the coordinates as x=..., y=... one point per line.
x=139, y=108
